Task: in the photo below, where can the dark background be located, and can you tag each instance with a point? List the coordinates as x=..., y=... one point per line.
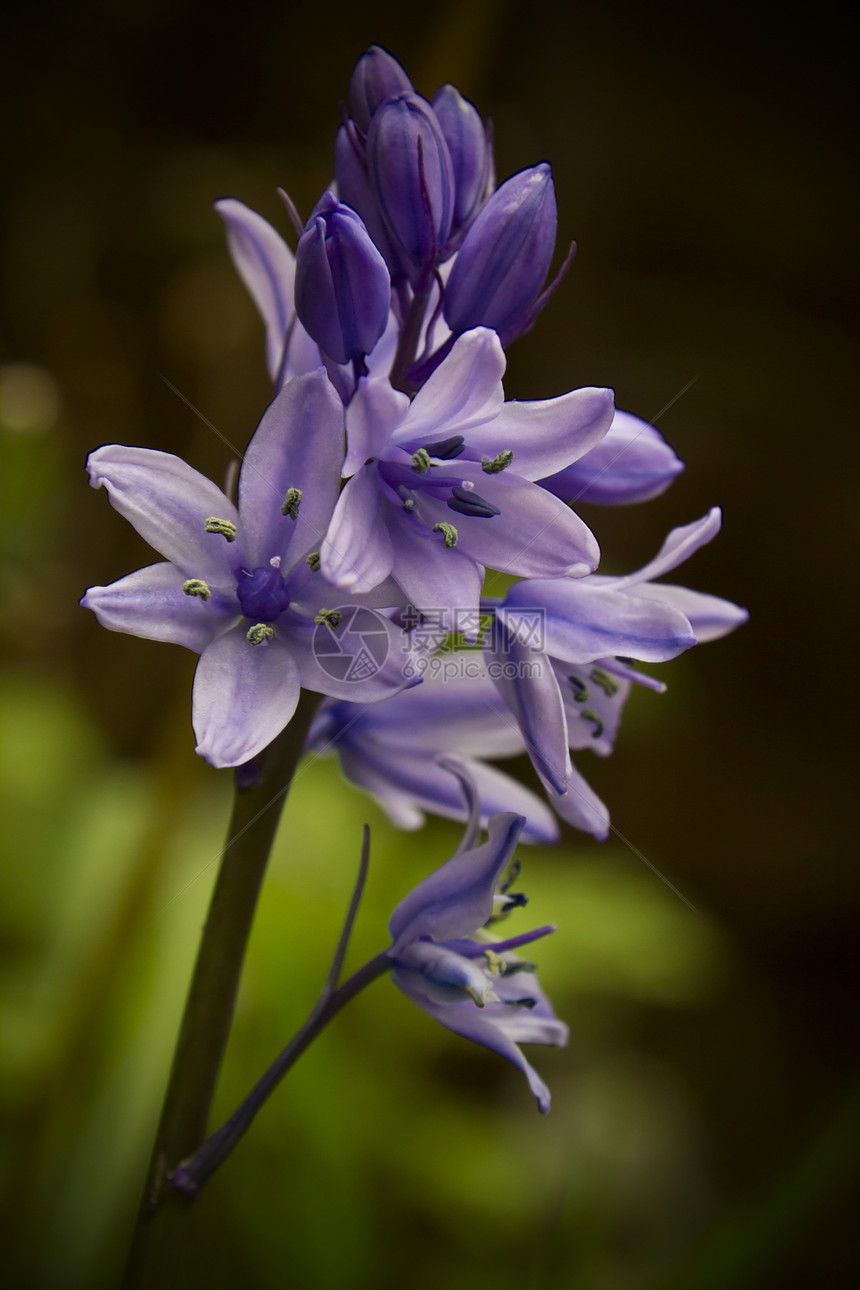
x=702, y=159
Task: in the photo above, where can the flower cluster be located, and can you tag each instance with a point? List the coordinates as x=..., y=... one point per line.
x=388, y=474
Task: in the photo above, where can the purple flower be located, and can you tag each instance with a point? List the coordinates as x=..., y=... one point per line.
x=396, y=750
x=504, y=259
x=449, y=958
x=376, y=76
x=595, y=630
x=633, y=463
x=342, y=287
x=236, y=586
x=442, y=486
x=471, y=157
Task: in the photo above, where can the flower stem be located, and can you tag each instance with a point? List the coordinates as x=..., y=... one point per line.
x=164, y=1212
x=193, y=1173
x=407, y=346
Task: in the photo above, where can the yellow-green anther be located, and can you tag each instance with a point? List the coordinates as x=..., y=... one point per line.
x=448, y=531
x=590, y=715
x=331, y=617
x=492, y=465
x=292, y=501
x=409, y=504
x=196, y=587
x=475, y=994
x=421, y=461
x=259, y=633
x=313, y=560
x=495, y=964
x=226, y=528
x=605, y=681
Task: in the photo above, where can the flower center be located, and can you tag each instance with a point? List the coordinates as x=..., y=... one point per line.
x=262, y=593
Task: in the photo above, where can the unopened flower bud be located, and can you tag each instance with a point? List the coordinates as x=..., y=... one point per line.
x=503, y=261
x=342, y=290
x=413, y=180
x=470, y=156
x=376, y=76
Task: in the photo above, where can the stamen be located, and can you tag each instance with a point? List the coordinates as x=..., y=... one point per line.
x=421, y=461
x=590, y=715
x=580, y=689
x=518, y=965
x=520, y=1003
x=446, y=449
x=475, y=994
x=466, y=502
x=292, y=501
x=313, y=560
x=260, y=634
x=406, y=497
x=628, y=662
x=331, y=617
x=196, y=587
x=275, y=562
x=605, y=681
x=494, y=465
x=448, y=531
x=226, y=528
x=495, y=965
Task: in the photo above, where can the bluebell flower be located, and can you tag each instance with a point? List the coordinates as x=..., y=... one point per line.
x=442, y=486
x=342, y=287
x=595, y=630
x=397, y=750
x=236, y=586
x=449, y=958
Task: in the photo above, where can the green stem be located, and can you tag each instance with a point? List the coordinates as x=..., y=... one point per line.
x=193, y=1173
x=164, y=1212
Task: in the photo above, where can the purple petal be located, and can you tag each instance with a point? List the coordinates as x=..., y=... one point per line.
x=244, y=695
x=545, y=435
x=358, y=553
x=580, y=806
x=433, y=576
x=298, y=444
x=151, y=603
x=710, y=616
x=372, y=417
x=526, y=681
x=463, y=392
x=469, y=1021
x=457, y=898
x=584, y=621
x=168, y=503
x=678, y=547
x=265, y=264
x=631, y=464
x=535, y=536
x=364, y=659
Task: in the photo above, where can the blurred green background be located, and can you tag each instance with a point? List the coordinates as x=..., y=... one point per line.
x=706, y=1118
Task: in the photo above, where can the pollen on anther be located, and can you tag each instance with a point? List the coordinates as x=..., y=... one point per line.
x=226, y=528
x=449, y=533
x=196, y=587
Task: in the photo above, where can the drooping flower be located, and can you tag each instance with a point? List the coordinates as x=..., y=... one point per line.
x=594, y=631
x=236, y=586
x=449, y=959
x=442, y=486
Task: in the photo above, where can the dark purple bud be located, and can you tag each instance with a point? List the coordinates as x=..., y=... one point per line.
x=354, y=188
x=410, y=170
x=343, y=290
x=376, y=76
x=470, y=155
x=504, y=258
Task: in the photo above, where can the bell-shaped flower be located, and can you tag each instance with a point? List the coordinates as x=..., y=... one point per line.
x=236, y=585
x=591, y=633
x=633, y=463
x=396, y=750
x=505, y=256
x=342, y=287
x=471, y=157
x=376, y=76
x=412, y=179
x=443, y=486
x=449, y=958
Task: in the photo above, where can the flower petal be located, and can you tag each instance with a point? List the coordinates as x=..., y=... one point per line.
x=150, y=603
x=168, y=503
x=297, y=445
x=545, y=435
x=457, y=898
x=267, y=267
x=244, y=695
x=433, y=576
x=526, y=681
x=678, y=547
x=633, y=463
x=371, y=419
x=463, y=392
x=357, y=553
x=584, y=621
x=710, y=616
x=580, y=806
x=364, y=659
